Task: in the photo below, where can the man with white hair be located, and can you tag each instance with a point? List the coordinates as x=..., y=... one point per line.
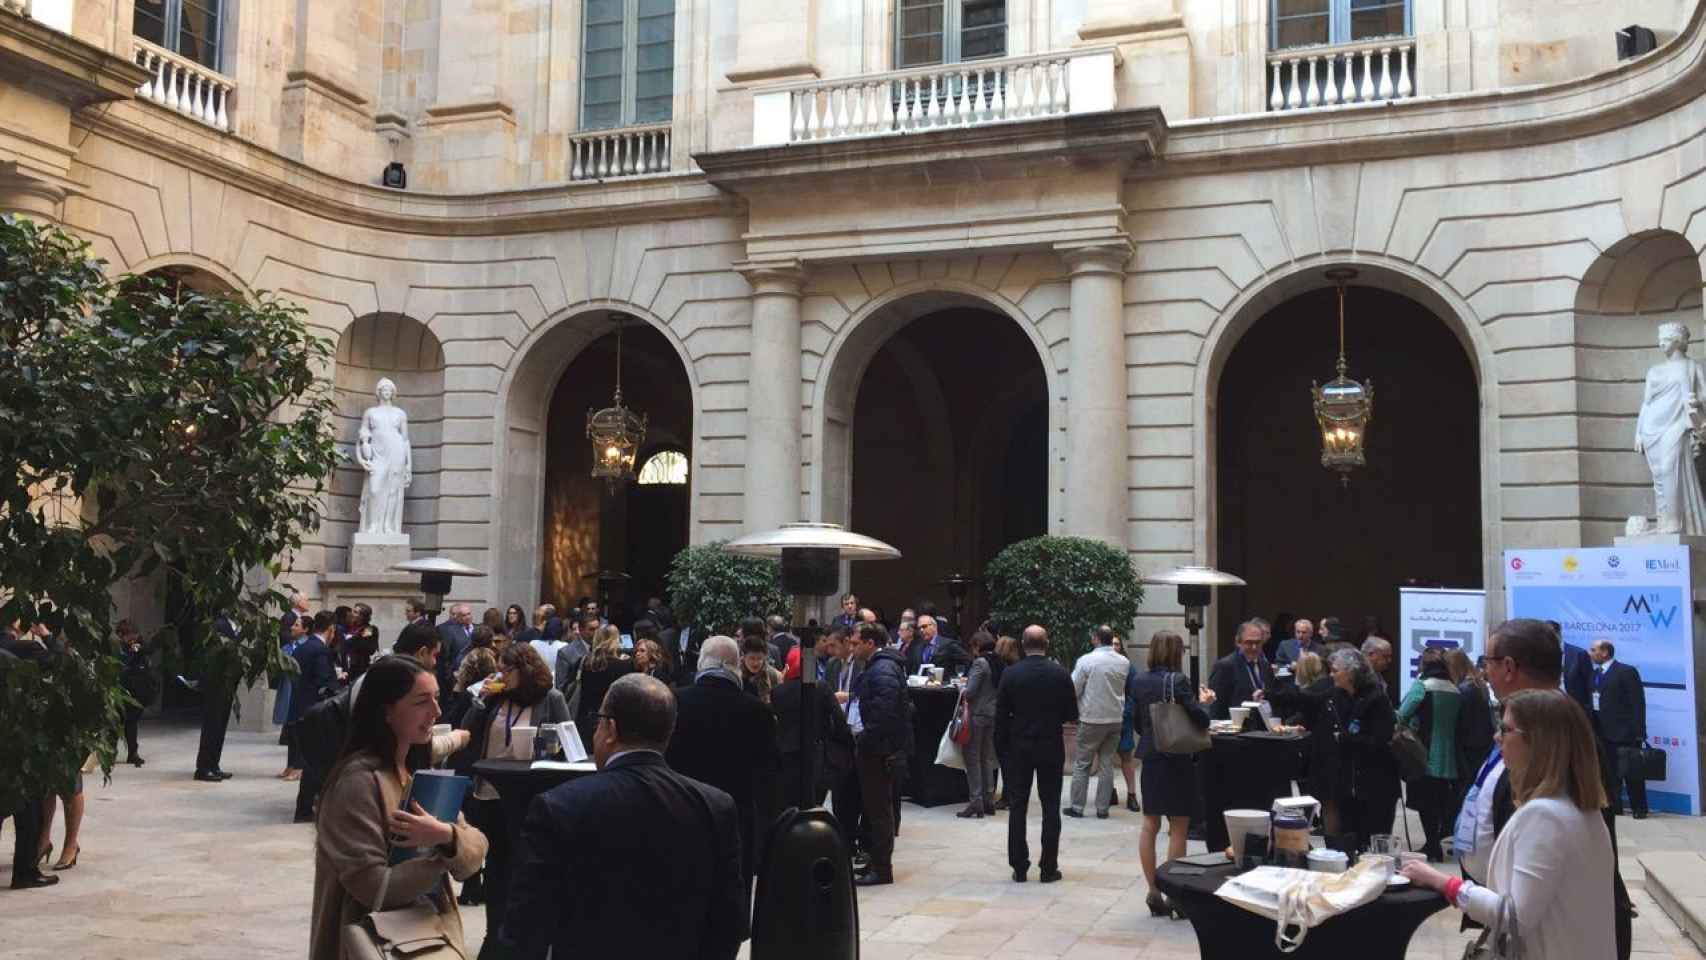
x=1378, y=651
x=726, y=738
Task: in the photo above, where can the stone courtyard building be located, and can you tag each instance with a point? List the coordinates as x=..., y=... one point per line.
x=953, y=272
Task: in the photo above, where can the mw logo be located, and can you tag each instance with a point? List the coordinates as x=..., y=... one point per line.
x=1643, y=604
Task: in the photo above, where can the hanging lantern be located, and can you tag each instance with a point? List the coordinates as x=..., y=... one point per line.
x=616, y=432
x=1343, y=408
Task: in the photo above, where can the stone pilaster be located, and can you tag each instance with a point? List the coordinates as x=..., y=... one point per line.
x=1096, y=423
x=772, y=491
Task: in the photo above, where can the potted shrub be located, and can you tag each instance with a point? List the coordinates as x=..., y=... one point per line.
x=1069, y=585
x=711, y=589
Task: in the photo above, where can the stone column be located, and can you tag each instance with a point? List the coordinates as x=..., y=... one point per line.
x=772, y=490
x=1096, y=469
x=34, y=198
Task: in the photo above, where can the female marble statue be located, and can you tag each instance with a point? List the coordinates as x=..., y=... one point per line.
x=1669, y=432
x=382, y=449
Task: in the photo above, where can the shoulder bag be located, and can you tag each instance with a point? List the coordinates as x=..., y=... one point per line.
x=959, y=728
x=413, y=932
x=1174, y=731
x=1500, y=940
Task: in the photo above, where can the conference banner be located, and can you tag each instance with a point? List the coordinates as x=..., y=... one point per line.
x=1448, y=619
x=1640, y=599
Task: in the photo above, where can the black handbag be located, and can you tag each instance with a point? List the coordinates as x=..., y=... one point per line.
x=1645, y=762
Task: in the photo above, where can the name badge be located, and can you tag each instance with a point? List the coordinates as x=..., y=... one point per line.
x=1596, y=701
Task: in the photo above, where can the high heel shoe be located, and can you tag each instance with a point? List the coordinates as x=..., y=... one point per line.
x=65, y=864
x=1157, y=904
x=46, y=855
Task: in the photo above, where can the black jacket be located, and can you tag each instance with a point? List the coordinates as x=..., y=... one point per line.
x=635, y=861
x=1369, y=768
x=1036, y=698
x=727, y=739
x=834, y=739
x=880, y=689
x=1622, y=714
x=1148, y=688
x=1317, y=707
x=1230, y=681
x=317, y=678
x=952, y=657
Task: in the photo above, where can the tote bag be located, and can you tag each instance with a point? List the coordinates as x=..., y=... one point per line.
x=1175, y=733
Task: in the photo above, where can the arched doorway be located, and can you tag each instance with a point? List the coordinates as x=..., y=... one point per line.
x=949, y=454
x=1306, y=544
x=634, y=528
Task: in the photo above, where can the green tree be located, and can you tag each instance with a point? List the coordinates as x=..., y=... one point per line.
x=712, y=589
x=1069, y=585
x=143, y=427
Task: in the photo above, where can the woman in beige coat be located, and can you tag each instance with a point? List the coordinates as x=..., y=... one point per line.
x=361, y=815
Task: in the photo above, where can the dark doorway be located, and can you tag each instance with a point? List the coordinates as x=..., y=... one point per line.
x=950, y=456
x=633, y=529
x=1285, y=524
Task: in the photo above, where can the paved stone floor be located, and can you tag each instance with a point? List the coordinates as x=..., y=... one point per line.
x=179, y=870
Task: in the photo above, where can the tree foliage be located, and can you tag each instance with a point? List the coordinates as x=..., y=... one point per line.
x=183, y=432
x=713, y=589
x=1069, y=585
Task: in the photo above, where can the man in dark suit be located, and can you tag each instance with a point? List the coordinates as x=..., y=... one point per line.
x=636, y=860
x=27, y=814
x=726, y=738
x=456, y=634
x=216, y=696
x=316, y=680
x=1242, y=674
x=1620, y=716
x=1036, y=697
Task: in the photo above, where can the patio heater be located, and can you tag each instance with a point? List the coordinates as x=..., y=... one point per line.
x=436, y=575
x=1196, y=591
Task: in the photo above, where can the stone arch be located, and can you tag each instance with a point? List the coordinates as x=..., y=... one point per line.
x=850, y=352
x=391, y=346
x=1639, y=282
x=1304, y=276
x=519, y=433
x=196, y=272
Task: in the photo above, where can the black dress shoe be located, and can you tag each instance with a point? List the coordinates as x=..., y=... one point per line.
x=209, y=776
x=134, y=761
x=1073, y=812
x=1018, y=875
x=303, y=818
x=873, y=878
x=1049, y=876
x=31, y=882
x=221, y=774
x=1640, y=814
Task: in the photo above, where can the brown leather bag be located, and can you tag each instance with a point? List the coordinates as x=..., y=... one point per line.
x=413, y=932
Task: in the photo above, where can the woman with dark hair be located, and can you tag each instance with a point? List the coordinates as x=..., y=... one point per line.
x=493, y=620
x=1006, y=654
x=520, y=695
x=363, y=641
x=361, y=814
x=1431, y=708
x=1475, y=734
x=603, y=664
x=515, y=621
x=980, y=692
x=1169, y=779
x=1368, y=773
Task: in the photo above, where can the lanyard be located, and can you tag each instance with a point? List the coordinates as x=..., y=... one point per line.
x=510, y=716
x=1255, y=675
x=1486, y=768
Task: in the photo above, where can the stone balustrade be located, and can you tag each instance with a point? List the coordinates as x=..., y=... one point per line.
x=930, y=98
x=19, y=7
x=635, y=151
x=1371, y=71
x=184, y=86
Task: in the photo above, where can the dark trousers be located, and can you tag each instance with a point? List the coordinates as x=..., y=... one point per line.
x=1022, y=766
x=307, y=792
x=26, y=846
x=876, y=788
x=488, y=816
x=1432, y=798
x=132, y=718
x=1626, y=772
x=849, y=810
x=215, y=716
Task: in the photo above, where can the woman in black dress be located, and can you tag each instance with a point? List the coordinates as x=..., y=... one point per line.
x=1311, y=702
x=602, y=666
x=1368, y=773
x=1169, y=779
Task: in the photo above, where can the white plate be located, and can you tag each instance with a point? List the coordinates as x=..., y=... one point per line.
x=1398, y=880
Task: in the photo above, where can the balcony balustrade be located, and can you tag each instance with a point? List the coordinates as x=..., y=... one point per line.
x=184, y=86
x=1373, y=71
x=636, y=151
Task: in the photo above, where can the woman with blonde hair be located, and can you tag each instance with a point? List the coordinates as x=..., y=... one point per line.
x=1550, y=863
x=1169, y=780
x=602, y=666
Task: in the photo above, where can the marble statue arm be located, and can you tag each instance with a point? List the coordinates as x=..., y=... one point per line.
x=408, y=448
x=1646, y=399
x=364, y=444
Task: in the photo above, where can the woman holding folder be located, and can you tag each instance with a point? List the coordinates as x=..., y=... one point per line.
x=362, y=817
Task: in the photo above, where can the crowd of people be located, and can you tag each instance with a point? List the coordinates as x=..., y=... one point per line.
x=1522, y=770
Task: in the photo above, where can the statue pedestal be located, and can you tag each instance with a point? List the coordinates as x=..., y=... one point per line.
x=377, y=552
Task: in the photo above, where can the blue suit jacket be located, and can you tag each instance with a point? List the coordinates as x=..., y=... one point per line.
x=635, y=861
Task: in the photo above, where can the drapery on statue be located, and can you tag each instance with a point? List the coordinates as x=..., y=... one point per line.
x=382, y=449
x=1669, y=432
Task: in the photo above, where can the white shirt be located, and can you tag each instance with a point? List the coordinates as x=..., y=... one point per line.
x=1099, y=677
x=1554, y=861
x=548, y=650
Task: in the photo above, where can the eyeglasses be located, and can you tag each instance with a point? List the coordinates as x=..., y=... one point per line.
x=1505, y=731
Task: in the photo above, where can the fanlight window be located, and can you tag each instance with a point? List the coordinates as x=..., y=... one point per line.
x=665, y=466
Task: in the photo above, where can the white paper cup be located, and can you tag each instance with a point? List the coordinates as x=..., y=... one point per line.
x=1239, y=716
x=1328, y=861
x=1241, y=822
x=441, y=729
x=521, y=742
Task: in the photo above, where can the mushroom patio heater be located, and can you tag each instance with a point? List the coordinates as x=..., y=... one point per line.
x=805, y=907
x=1196, y=591
x=436, y=574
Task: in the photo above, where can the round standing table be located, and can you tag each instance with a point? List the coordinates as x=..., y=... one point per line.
x=1380, y=930
x=1246, y=771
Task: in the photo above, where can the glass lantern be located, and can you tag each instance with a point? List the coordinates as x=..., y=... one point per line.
x=616, y=433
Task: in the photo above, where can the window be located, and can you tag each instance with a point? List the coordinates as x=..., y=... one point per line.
x=949, y=31
x=665, y=466
x=189, y=28
x=627, y=63
x=1303, y=23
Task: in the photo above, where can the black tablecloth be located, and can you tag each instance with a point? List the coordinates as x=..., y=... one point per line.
x=518, y=783
x=1226, y=931
x=1246, y=771
x=927, y=784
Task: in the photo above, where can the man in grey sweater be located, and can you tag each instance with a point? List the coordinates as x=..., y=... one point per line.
x=1099, y=678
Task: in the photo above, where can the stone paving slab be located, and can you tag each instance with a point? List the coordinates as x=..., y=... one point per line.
x=177, y=870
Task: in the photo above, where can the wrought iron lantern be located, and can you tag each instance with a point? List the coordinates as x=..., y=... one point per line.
x=1343, y=407
x=616, y=432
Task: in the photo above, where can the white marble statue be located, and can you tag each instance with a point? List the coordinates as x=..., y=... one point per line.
x=382, y=449
x=1669, y=431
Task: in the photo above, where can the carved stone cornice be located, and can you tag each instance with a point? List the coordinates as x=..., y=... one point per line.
x=73, y=72
x=773, y=278
x=1108, y=255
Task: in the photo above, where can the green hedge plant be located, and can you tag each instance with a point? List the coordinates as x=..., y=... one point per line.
x=1069, y=585
x=712, y=589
